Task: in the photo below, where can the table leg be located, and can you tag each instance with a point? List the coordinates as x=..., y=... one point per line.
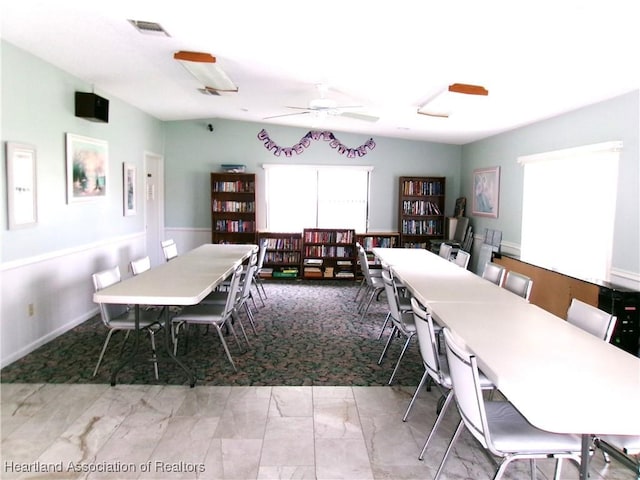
x=136, y=342
x=169, y=347
x=584, y=459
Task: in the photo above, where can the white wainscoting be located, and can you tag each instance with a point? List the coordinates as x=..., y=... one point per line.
x=58, y=286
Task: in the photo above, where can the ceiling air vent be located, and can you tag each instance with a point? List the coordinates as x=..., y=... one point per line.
x=149, y=27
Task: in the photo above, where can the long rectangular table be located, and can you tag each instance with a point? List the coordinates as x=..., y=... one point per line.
x=185, y=280
x=559, y=377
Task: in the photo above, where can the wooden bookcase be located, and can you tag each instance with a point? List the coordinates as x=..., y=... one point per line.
x=421, y=211
x=283, y=254
x=371, y=240
x=233, y=208
x=329, y=253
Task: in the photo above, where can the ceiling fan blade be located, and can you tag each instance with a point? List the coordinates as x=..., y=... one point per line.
x=360, y=116
x=286, y=115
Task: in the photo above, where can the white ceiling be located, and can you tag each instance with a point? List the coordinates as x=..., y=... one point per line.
x=536, y=58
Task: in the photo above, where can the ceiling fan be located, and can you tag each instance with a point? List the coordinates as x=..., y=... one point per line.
x=323, y=106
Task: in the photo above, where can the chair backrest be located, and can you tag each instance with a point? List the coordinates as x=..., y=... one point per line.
x=518, y=284
x=169, y=248
x=427, y=342
x=246, y=280
x=392, y=295
x=232, y=292
x=364, y=264
x=494, y=273
x=140, y=265
x=466, y=387
x=104, y=279
x=261, y=253
x=445, y=250
x=591, y=319
x=462, y=259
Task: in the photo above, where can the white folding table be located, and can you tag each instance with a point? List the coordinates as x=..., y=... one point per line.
x=559, y=377
x=185, y=280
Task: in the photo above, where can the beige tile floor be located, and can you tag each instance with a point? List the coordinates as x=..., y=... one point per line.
x=175, y=432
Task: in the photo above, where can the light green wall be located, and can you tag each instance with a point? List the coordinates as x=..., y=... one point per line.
x=38, y=109
x=192, y=152
x=615, y=119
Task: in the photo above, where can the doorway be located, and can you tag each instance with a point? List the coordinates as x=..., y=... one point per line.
x=154, y=205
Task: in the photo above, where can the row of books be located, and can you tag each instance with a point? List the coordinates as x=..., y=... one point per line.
x=230, y=206
x=282, y=257
x=422, y=227
x=235, y=226
x=420, y=207
x=283, y=243
x=422, y=187
x=284, y=273
x=329, y=272
x=327, y=251
x=383, y=242
x=236, y=186
x=333, y=236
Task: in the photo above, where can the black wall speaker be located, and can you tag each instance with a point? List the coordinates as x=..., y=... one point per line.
x=92, y=107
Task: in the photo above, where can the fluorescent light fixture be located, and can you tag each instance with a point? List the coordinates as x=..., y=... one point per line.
x=453, y=98
x=204, y=68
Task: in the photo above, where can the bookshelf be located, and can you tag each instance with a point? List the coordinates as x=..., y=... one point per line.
x=421, y=211
x=328, y=253
x=371, y=240
x=283, y=254
x=233, y=208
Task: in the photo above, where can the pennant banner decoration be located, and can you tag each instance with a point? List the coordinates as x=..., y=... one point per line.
x=305, y=141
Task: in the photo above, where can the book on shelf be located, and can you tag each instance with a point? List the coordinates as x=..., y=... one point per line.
x=344, y=274
x=343, y=263
x=328, y=272
x=313, y=261
x=266, y=272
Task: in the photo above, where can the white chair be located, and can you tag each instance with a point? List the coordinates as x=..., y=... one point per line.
x=494, y=273
x=497, y=425
x=374, y=284
x=257, y=279
x=169, y=249
x=122, y=317
x=436, y=368
x=211, y=314
x=591, y=319
x=404, y=299
x=518, y=284
x=462, y=259
x=402, y=322
x=140, y=265
x=624, y=448
x=445, y=251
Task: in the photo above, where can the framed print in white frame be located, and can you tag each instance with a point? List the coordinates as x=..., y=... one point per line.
x=21, y=186
x=129, y=189
x=486, y=192
x=87, y=168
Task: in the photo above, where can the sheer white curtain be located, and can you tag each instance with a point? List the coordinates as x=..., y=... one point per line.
x=568, y=209
x=310, y=196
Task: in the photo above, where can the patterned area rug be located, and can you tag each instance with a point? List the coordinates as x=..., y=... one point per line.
x=308, y=333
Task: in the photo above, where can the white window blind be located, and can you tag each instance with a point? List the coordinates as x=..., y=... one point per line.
x=568, y=209
x=308, y=196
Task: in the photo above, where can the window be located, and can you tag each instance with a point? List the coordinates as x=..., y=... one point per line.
x=311, y=196
x=568, y=209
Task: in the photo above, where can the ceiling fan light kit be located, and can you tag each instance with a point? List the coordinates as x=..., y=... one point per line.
x=204, y=68
x=444, y=103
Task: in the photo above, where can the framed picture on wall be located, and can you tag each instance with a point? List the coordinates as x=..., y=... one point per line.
x=87, y=168
x=486, y=192
x=129, y=189
x=21, y=186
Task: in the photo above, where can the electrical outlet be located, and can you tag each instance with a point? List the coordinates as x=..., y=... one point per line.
x=31, y=309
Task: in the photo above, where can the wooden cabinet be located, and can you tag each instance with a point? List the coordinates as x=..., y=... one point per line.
x=283, y=254
x=421, y=211
x=328, y=253
x=233, y=208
